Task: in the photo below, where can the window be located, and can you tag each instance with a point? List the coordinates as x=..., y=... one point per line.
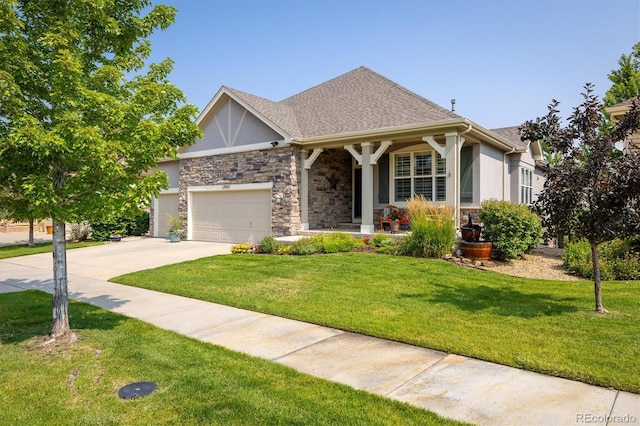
x=526, y=186
x=419, y=173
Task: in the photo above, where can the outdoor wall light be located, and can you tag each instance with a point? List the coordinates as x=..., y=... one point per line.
x=274, y=144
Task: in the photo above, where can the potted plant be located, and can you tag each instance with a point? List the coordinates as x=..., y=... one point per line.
x=175, y=228
x=117, y=235
x=397, y=217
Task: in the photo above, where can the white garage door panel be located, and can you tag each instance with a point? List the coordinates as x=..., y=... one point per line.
x=167, y=204
x=231, y=216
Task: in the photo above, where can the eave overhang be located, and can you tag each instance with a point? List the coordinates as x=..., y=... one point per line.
x=417, y=130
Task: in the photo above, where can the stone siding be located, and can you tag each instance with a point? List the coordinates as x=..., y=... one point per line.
x=330, y=204
x=278, y=165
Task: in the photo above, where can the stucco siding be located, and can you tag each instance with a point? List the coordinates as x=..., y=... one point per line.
x=172, y=169
x=491, y=173
x=232, y=125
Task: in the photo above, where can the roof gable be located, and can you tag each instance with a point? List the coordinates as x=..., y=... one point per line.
x=512, y=135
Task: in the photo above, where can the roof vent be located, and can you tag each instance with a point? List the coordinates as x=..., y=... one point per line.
x=453, y=105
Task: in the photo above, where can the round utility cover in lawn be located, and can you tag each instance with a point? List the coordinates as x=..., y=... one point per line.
x=136, y=390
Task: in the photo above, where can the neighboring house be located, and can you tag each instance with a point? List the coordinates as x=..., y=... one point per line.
x=336, y=153
x=616, y=112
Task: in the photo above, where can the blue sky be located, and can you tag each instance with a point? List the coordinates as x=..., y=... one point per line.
x=502, y=60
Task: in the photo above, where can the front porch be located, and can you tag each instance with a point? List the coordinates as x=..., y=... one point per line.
x=352, y=183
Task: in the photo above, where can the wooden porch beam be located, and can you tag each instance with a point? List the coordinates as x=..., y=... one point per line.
x=354, y=153
x=308, y=162
x=435, y=145
x=381, y=150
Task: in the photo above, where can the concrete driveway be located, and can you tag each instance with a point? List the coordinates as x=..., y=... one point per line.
x=129, y=255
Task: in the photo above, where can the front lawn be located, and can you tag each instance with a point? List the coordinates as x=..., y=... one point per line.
x=24, y=250
x=198, y=383
x=545, y=326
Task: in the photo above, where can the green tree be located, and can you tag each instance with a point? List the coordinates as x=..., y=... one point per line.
x=80, y=124
x=593, y=193
x=626, y=79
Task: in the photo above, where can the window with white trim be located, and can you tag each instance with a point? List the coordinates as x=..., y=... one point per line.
x=419, y=173
x=526, y=186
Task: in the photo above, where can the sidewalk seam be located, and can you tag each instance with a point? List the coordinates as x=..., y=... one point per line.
x=416, y=375
x=340, y=332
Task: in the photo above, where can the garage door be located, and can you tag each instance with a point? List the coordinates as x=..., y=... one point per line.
x=167, y=204
x=231, y=216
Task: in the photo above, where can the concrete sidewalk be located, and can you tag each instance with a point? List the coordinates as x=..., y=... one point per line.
x=13, y=238
x=450, y=385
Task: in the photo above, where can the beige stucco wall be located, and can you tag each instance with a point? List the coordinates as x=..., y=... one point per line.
x=230, y=126
x=491, y=173
x=172, y=169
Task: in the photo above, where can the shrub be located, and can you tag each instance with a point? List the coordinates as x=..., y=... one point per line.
x=338, y=242
x=101, y=230
x=307, y=246
x=361, y=242
x=242, y=248
x=379, y=240
x=268, y=245
x=513, y=228
x=390, y=247
x=577, y=258
x=432, y=229
x=284, y=249
x=138, y=225
x=618, y=259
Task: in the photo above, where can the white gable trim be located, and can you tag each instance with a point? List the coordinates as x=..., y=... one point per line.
x=232, y=149
x=228, y=93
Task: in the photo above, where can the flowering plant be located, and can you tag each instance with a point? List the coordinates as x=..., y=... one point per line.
x=399, y=215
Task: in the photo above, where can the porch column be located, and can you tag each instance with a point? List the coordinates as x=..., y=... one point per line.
x=452, y=155
x=304, y=193
x=307, y=162
x=367, y=226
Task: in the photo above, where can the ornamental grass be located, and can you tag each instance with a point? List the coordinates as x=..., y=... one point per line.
x=433, y=230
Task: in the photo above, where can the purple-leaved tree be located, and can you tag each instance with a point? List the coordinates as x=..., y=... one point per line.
x=593, y=191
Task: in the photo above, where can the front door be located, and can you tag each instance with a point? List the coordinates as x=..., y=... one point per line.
x=357, y=194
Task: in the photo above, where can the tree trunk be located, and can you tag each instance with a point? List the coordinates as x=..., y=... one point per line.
x=31, y=241
x=596, y=279
x=60, y=325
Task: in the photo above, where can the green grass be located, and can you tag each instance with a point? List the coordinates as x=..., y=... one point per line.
x=24, y=250
x=539, y=325
x=198, y=383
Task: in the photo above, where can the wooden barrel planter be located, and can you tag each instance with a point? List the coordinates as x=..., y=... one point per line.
x=477, y=250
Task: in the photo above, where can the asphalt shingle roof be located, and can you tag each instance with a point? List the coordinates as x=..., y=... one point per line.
x=511, y=134
x=357, y=101
x=281, y=115
x=360, y=100
x=626, y=103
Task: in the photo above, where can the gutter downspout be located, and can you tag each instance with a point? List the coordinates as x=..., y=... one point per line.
x=504, y=161
x=459, y=144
